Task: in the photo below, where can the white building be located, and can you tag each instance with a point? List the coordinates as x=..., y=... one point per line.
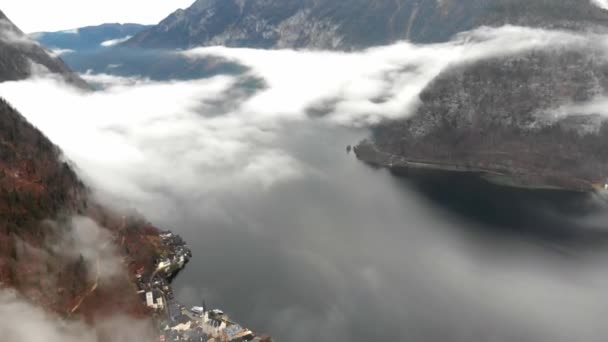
x=213, y=326
x=149, y=299
x=199, y=310
x=154, y=300
x=164, y=264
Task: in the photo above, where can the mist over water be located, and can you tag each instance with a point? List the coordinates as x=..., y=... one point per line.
x=353, y=253
x=294, y=237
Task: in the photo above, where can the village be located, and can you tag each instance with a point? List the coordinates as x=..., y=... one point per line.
x=175, y=321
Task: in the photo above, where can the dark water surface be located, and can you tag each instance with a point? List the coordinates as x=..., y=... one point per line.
x=351, y=253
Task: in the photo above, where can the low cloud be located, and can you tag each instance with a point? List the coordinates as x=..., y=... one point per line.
x=23, y=322
x=255, y=163
x=60, y=52
x=596, y=106
x=144, y=140
x=384, y=82
x=603, y=4
x=113, y=42
x=583, y=117
x=107, y=80
x=9, y=34
x=150, y=139
x=81, y=238
x=77, y=239
x=71, y=31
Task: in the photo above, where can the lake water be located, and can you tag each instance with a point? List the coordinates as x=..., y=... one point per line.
x=342, y=251
x=352, y=253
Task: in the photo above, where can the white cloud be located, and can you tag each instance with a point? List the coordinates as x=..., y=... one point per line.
x=144, y=140
x=603, y=4
x=107, y=80
x=586, y=117
x=71, y=31
x=140, y=139
x=78, y=238
x=60, y=52
x=84, y=238
x=23, y=322
x=596, y=106
x=10, y=35
x=113, y=42
x=384, y=82
x=39, y=69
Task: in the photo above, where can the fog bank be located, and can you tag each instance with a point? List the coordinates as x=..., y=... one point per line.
x=295, y=237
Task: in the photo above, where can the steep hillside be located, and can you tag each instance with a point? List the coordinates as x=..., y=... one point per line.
x=43, y=205
x=492, y=117
x=20, y=57
x=496, y=118
x=353, y=24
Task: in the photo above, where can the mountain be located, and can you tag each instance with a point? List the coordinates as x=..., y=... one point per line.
x=94, y=49
x=46, y=211
x=21, y=57
x=158, y=65
x=88, y=38
x=494, y=117
x=517, y=120
x=353, y=24
x=37, y=185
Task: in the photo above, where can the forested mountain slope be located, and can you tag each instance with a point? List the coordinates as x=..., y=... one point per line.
x=353, y=24
x=21, y=57
x=512, y=119
x=43, y=206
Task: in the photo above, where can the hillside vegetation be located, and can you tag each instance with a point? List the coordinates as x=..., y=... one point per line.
x=354, y=24
x=496, y=117
x=21, y=57
x=39, y=195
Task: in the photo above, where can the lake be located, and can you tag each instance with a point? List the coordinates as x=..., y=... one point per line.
x=352, y=253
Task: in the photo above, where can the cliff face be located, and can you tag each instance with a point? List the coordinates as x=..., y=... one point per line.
x=21, y=57
x=353, y=24
x=495, y=117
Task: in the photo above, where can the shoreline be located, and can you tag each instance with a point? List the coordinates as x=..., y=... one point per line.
x=174, y=320
x=369, y=153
